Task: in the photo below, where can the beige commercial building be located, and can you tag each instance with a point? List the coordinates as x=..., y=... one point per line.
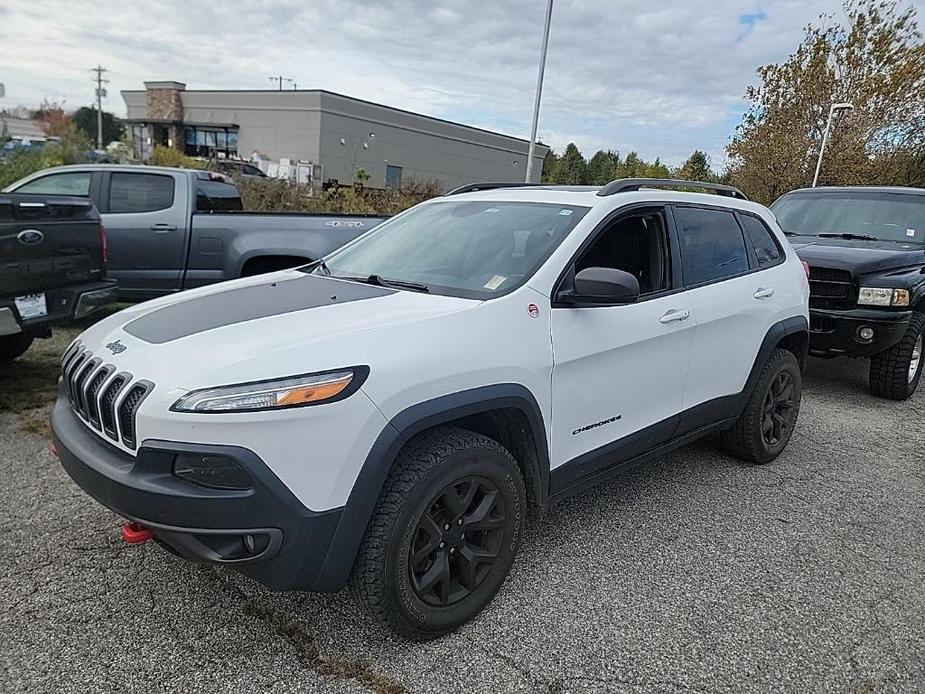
x=338, y=135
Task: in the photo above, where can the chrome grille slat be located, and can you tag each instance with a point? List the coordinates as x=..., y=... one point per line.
x=108, y=404
x=80, y=379
x=72, y=369
x=94, y=385
x=127, y=409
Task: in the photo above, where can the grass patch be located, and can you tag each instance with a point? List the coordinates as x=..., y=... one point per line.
x=29, y=385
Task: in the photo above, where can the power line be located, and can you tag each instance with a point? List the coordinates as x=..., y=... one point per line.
x=100, y=93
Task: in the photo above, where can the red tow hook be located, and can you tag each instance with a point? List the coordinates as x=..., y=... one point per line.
x=135, y=533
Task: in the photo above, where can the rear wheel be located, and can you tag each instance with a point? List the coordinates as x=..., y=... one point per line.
x=14, y=346
x=895, y=373
x=764, y=428
x=444, y=535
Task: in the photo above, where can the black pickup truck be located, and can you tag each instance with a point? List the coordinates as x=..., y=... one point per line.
x=865, y=247
x=52, y=266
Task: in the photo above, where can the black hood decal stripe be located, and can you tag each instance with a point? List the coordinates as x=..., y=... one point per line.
x=246, y=304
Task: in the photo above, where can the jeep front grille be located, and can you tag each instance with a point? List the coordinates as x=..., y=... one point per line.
x=831, y=289
x=95, y=392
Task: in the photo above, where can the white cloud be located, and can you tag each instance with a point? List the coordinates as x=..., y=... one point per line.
x=662, y=78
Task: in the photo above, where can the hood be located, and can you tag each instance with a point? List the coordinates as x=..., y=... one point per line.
x=284, y=323
x=858, y=257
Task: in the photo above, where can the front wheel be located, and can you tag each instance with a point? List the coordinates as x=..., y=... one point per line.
x=766, y=424
x=895, y=373
x=443, y=536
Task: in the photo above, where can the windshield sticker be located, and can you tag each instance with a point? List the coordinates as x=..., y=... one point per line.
x=495, y=282
x=492, y=210
x=566, y=213
x=910, y=232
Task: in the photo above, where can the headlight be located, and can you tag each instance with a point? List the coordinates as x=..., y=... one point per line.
x=295, y=391
x=872, y=296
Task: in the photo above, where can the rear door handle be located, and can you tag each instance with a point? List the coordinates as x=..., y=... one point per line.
x=163, y=228
x=764, y=293
x=675, y=315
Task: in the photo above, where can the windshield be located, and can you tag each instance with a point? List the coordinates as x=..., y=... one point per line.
x=898, y=217
x=470, y=249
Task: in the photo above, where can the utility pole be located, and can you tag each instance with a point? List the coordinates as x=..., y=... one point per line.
x=100, y=93
x=280, y=80
x=539, y=93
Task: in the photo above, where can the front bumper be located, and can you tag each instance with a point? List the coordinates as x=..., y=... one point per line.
x=65, y=304
x=289, y=544
x=835, y=333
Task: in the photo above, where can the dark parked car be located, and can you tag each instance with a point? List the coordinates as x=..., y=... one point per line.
x=865, y=247
x=173, y=229
x=52, y=267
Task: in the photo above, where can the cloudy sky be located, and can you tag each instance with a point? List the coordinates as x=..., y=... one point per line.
x=662, y=77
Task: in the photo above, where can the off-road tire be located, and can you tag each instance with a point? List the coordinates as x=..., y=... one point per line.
x=382, y=577
x=889, y=370
x=14, y=346
x=745, y=439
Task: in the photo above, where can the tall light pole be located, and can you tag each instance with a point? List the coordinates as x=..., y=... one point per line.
x=825, y=136
x=539, y=93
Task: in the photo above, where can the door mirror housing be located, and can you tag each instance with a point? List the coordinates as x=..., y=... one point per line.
x=596, y=286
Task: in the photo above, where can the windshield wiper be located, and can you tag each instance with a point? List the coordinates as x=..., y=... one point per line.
x=849, y=237
x=380, y=281
x=791, y=233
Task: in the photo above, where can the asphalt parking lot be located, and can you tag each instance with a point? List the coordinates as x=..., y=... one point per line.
x=693, y=573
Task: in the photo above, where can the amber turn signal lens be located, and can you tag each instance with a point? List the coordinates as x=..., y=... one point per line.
x=322, y=391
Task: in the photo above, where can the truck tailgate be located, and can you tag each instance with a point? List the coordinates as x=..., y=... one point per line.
x=48, y=242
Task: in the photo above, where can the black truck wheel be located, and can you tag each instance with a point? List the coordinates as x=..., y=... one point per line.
x=14, y=346
x=763, y=429
x=895, y=373
x=443, y=536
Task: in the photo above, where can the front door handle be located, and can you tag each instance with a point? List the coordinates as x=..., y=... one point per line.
x=163, y=228
x=764, y=293
x=675, y=315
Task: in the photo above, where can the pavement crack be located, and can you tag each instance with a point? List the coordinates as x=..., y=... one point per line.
x=306, y=649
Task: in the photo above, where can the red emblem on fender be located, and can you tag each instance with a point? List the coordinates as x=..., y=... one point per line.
x=533, y=310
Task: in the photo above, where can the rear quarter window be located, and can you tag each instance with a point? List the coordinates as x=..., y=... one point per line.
x=140, y=192
x=767, y=250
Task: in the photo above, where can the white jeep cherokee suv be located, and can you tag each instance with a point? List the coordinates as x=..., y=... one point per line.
x=385, y=417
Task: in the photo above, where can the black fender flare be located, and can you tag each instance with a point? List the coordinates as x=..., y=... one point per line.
x=364, y=496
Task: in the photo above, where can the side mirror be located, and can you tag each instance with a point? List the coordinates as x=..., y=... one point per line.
x=603, y=285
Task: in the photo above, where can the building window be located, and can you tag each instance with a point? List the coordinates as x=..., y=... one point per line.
x=209, y=142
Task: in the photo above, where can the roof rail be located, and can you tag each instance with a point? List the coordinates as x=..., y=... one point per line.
x=623, y=185
x=472, y=187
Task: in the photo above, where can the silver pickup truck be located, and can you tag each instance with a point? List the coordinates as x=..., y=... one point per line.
x=173, y=229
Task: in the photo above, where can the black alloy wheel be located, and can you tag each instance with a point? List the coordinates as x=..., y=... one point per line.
x=457, y=541
x=777, y=413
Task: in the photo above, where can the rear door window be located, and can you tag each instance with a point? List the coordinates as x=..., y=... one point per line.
x=140, y=192
x=767, y=250
x=712, y=245
x=69, y=183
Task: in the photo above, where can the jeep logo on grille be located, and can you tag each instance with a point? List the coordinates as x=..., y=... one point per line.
x=30, y=237
x=116, y=347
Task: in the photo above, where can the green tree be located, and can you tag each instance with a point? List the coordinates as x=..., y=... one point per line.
x=85, y=120
x=549, y=166
x=571, y=169
x=696, y=168
x=876, y=61
x=603, y=167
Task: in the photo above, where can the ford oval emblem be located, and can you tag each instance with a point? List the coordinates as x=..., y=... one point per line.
x=30, y=237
